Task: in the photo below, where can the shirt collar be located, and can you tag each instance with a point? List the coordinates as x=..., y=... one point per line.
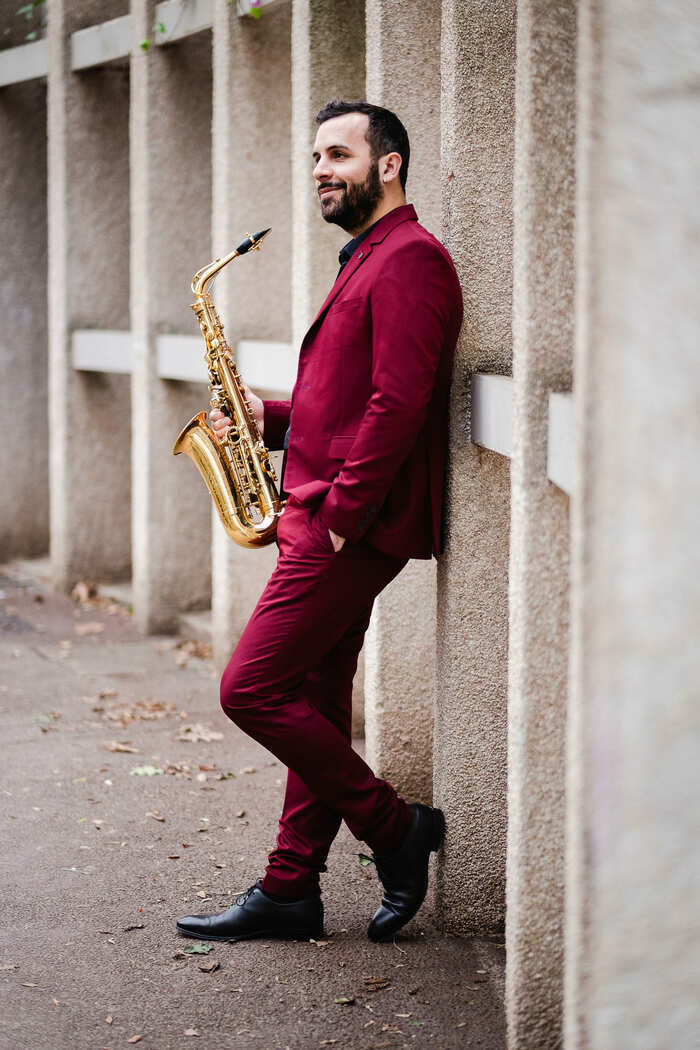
x=347, y=251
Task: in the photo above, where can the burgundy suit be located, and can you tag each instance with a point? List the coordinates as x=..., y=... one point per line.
x=366, y=458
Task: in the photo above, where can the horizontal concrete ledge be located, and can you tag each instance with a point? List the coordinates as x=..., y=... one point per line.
x=561, y=442
x=26, y=62
x=492, y=426
x=264, y=365
x=111, y=40
x=492, y=412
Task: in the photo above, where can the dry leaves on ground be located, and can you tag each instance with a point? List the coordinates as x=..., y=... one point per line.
x=198, y=733
x=139, y=711
x=93, y=627
x=122, y=746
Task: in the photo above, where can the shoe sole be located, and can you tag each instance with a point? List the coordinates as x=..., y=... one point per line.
x=289, y=935
x=437, y=837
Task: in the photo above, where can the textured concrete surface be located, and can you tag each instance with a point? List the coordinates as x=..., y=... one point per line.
x=88, y=215
x=543, y=287
x=251, y=128
x=636, y=555
x=328, y=61
x=99, y=863
x=400, y=645
x=469, y=776
x=24, y=450
x=171, y=221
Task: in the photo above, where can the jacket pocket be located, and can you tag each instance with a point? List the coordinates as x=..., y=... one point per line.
x=339, y=446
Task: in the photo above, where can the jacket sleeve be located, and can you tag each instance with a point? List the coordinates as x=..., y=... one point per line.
x=275, y=423
x=413, y=304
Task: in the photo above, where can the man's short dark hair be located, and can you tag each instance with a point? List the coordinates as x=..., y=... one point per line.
x=385, y=134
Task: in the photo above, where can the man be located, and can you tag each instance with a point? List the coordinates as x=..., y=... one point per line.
x=365, y=434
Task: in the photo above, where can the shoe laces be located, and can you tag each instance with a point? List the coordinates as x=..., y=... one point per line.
x=240, y=901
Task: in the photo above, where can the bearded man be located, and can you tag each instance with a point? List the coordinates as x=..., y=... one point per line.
x=365, y=435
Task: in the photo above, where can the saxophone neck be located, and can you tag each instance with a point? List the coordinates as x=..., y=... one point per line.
x=203, y=277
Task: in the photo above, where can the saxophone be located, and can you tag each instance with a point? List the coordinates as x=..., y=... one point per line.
x=237, y=471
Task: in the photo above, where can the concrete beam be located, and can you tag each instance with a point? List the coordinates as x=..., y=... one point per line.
x=561, y=443
x=26, y=62
x=492, y=413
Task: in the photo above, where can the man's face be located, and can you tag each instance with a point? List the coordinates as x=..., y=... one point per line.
x=346, y=177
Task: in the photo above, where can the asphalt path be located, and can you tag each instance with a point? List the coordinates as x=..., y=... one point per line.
x=129, y=799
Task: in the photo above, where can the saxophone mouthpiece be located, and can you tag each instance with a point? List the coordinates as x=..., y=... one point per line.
x=252, y=241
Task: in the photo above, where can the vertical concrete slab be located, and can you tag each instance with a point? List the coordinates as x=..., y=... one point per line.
x=543, y=288
x=637, y=728
x=24, y=450
x=171, y=240
x=251, y=187
x=478, y=60
x=328, y=61
x=88, y=217
x=400, y=644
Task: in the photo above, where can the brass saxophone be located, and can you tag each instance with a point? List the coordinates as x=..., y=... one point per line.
x=237, y=471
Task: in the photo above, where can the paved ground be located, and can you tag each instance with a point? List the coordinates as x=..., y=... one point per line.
x=123, y=808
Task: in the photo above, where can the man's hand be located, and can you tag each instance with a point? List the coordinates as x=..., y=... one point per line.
x=336, y=540
x=222, y=423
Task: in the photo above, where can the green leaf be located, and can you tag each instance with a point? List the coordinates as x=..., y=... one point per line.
x=145, y=44
x=198, y=949
x=255, y=13
x=27, y=10
x=145, y=771
x=365, y=861
x=159, y=27
x=40, y=720
x=345, y=1000
x=32, y=35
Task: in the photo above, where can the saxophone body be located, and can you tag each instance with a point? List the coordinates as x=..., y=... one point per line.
x=237, y=471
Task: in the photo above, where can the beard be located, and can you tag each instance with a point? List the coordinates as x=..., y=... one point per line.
x=356, y=202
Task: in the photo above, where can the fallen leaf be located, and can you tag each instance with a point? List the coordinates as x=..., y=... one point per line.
x=327, y=1042
x=156, y=816
x=202, y=895
x=209, y=967
x=198, y=948
x=190, y=1031
x=109, y=1019
x=240, y=813
x=9, y=966
x=135, y=926
x=226, y=776
x=249, y=769
x=345, y=1000
x=135, y=1039
x=28, y=984
x=201, y=777
x=83, y=591
x=207, y=769
x=198, y=733
x=375, y=984
x=94, y=627
x=145, y=771
x=173, y=856
x=55, y=1001
x=122, y=746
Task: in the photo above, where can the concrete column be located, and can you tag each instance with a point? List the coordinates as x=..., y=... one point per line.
x=400, y=645
x=171, y=239
x=543, y=285
x=328, y=61
x=478, y=59
x=88, y=216
x=24, y=449
x=251, y=169
x=633, y=950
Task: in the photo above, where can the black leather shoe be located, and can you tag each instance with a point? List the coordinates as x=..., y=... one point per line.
x=256, y=915
x=404, y=873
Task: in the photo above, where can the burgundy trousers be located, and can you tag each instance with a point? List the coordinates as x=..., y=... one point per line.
x=289, y=686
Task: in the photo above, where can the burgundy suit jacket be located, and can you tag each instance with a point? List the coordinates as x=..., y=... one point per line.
x=369, y=409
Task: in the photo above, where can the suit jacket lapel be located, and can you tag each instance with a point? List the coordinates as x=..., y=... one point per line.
x=340, y=282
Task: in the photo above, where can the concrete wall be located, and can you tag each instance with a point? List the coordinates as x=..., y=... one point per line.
x=171, y=220
x=543, y=287
x=400, y=645
x=88, y=215
x=469, y=771
x=635, y=868
x=24, y=449
x=251, y=133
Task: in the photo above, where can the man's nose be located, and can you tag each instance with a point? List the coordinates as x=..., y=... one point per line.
x=322, y=170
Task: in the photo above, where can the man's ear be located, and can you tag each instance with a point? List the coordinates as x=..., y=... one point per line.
x=390, y=166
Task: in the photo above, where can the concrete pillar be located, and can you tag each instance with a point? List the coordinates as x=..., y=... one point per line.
x=400, y=645
x=88, y=217
x=171, y=239
x=478, y=59
x=24, y=449
x=633, y=950
x=543, y=287
x=251, y=170
x=328, y=61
